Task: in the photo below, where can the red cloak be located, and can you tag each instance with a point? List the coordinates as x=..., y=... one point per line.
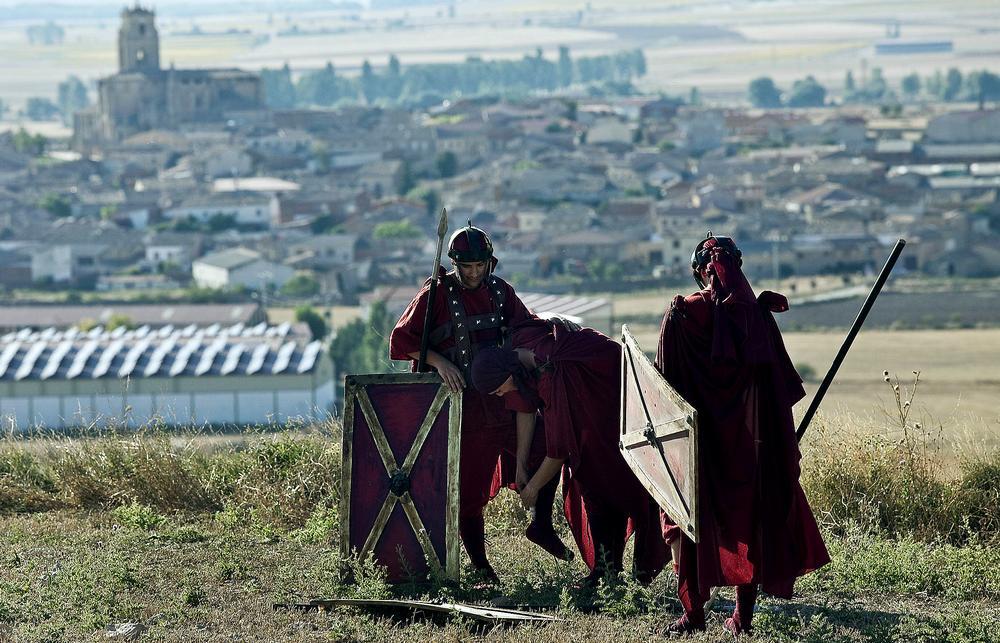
x=721, y=350
x=579, y=389
x=487, y=427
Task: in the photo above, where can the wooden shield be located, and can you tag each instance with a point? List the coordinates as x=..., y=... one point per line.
x=399, y=499
x=659, y=437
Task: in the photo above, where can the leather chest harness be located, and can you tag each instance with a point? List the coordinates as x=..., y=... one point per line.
x=461, y=325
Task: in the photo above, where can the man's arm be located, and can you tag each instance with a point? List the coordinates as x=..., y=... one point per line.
x=525, y=436
x=448, y=371
x=548, y=470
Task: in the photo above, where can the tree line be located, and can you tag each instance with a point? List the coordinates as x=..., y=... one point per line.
x=950, y=86
x=428, y=84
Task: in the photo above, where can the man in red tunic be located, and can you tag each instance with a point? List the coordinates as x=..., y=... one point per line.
x=574, y=379
x=721, y=350
x=473, y=308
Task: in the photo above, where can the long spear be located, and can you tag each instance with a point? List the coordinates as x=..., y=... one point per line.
x=855, y=327
x=425, y=337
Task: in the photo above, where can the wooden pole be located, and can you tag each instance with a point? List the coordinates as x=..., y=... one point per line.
x=425, y=336
x=855, y=327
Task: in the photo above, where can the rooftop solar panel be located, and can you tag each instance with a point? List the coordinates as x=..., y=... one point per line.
x=7, y=355
x=209, y=355
x=257, y=359
x=284, y=357
x=232, y=359
x=80, y=359
x=107, y=356
x=309, y=356
x=56, y=358
x=132, y=357
x=183, y=356
x=28, y=362
x=156, y=359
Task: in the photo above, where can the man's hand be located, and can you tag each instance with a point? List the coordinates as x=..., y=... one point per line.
x=452, y=377
x=521, y=478
x=529, y=496
x=450, y=374
x=567, y=324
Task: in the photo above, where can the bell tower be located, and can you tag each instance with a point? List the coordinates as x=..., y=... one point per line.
x=138, y=41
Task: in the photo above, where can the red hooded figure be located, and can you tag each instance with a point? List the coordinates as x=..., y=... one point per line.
x=573, y=378
x=721, y=350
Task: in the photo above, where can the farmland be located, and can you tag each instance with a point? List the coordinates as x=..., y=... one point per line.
x=716, y=46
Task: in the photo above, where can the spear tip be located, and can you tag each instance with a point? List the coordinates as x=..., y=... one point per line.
x=443, y=223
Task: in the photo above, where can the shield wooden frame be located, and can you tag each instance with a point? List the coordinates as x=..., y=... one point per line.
x=654, y=421
x=356, y=398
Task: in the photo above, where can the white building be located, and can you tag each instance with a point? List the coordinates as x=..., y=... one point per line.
x=246, y=209
x=239, y=267
x=232, y=376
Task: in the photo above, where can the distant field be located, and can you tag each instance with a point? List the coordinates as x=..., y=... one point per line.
x=959, y=388
x=716, y=46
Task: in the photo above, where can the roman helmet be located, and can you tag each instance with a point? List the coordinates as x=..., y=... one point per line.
x=703, y=254
x=471, y=244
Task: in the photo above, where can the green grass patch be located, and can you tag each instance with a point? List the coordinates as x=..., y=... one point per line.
x=197, y=536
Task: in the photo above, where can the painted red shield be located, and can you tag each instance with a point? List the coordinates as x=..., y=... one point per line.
x=399, y=500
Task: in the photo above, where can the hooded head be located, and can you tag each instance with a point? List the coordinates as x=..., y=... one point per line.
x=492, y=366
x=715, y=256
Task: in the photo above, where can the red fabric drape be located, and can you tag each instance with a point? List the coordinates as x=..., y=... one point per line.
x=721, y=350
x=579, y=389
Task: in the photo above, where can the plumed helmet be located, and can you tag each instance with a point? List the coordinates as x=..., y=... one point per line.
x=470, y=244
x=703, y=254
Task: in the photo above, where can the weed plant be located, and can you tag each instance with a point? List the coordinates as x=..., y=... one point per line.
x=896, y=482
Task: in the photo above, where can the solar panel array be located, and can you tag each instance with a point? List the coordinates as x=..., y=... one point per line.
x=191, y=351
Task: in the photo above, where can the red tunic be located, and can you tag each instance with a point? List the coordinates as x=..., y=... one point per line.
x=579, y=390
x=487, y=427
x=724, y=354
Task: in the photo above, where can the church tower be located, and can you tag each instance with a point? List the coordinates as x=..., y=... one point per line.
x=138, y=41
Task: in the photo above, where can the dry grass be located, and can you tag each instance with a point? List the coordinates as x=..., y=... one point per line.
x=197, y=537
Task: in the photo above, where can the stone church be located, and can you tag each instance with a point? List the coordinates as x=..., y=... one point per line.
x=142, y=96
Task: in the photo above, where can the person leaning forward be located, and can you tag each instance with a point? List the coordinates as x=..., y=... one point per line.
x=573, y=378
x=472, y=309
x=721, y=350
